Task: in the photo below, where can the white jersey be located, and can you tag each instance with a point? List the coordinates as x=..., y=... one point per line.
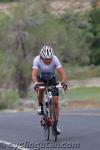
x=46, y=71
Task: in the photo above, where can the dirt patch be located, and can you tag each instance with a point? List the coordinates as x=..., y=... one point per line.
x=58, y=7
x=5, y=8
x=89, y=82
x=82, y=104
x=98, y=3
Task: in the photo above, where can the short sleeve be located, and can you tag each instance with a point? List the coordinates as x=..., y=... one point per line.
x=35, y=63
x=57, y=62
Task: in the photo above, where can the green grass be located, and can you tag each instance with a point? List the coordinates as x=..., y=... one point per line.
x=32, y=96
x=7, y=1
x=8, y=99
x=83, y=94
x=3, y=20
x=75, y=94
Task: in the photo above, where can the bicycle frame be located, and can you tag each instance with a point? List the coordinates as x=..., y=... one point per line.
x=49, y=115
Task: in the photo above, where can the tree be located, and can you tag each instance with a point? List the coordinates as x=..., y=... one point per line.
x=76, y=48
x=95, y=42
x=20, y=44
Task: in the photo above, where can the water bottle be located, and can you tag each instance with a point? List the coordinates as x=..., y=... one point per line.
x=49, y=95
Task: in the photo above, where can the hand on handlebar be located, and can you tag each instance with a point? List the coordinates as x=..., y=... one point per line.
x=36, y=85
x=64, y=85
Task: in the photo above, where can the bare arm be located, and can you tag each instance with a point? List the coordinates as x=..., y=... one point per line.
x=34, y=74
x=62, y=74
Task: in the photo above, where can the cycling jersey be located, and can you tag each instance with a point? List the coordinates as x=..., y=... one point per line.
x=46, y=71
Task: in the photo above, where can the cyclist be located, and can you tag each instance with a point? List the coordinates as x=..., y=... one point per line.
x=43, y=70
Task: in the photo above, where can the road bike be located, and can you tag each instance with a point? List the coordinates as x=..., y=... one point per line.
x=48, y=117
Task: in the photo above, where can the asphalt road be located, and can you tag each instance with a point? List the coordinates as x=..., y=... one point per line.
x=80, y=131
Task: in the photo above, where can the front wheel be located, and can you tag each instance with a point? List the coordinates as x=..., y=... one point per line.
x=47, y=131
x=54, y=123
x=54, y=130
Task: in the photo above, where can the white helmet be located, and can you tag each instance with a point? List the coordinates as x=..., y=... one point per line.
x=46, y=52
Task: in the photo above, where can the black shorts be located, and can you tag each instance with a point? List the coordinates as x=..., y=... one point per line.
x=52, y=82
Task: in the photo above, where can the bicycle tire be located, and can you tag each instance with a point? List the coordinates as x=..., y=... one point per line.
x=54, y=124
x=46, y=126
x=47, y=131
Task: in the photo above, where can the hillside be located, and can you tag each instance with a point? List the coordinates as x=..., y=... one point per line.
x=23, y=31
x=57, y=7
x=5, y=8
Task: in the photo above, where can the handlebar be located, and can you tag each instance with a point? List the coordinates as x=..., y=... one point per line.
x=45, y=86
x=59, y=86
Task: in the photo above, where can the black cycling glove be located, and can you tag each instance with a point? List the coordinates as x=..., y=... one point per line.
x=36, y=86
x=64, y=85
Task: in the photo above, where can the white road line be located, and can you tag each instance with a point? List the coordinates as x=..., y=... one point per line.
x=10, y=145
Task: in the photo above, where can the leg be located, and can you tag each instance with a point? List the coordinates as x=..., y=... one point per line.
x=40, y=94
x=56, y=98
x=56, y=104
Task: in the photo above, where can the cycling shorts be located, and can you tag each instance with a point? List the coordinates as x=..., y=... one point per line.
x=50, y=82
